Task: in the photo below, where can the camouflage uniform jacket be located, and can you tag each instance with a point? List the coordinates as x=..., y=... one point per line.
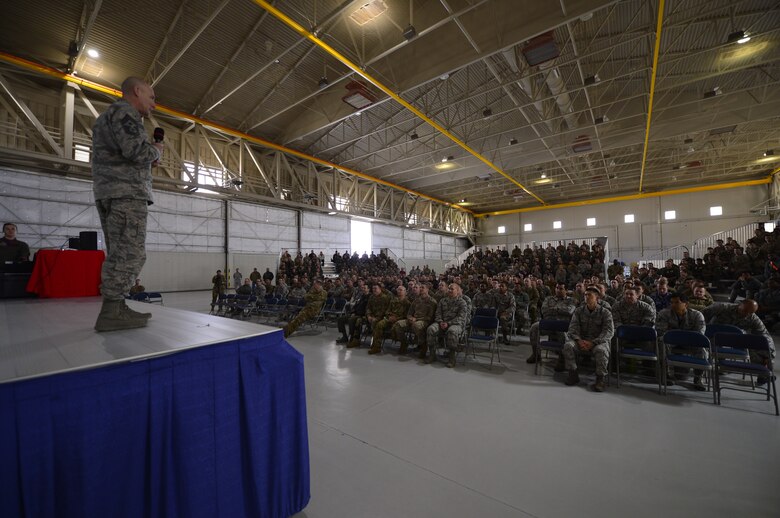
x=595, y=325
x=454, y=311
x=316, y=298
x=483, y=300
x=558, y=309
x=637, y=314
x=505, y=302
x=397, y=308
x=692, y=320
x=727, y=314
x=122, y=155
x=422, y=309
x=699, y=303
x=378, y=305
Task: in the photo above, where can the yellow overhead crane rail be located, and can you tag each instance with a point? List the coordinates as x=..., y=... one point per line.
x=52, y=72
x=336, y=54
x=656, y=52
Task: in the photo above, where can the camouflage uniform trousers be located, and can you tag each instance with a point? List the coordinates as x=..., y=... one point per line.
x=534, y=337
x=350, y=325
x=600, y=354
x=419, y=328
x=379, y=328
x=451, y=337
x=124, y=230
x=307, y=313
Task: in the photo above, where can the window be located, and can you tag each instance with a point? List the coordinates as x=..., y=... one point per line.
x=206, y=176
x=591, y=222
x=628, y=218
x=528, y=227
x=412, y=219
x=769, y=227
x=557, y=224
x=341, y=204
x=360, y=236
x=670, y=214
x=502, y=230
x=716, y=211
x=81, y=153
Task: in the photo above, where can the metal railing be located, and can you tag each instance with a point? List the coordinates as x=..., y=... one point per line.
x=392, y=255
x=739, y=234
x=675, y=253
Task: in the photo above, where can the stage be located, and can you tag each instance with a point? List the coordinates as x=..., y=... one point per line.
x=193, y=415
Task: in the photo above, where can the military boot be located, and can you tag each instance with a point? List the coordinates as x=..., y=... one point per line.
x=134, y=314
x=353, y=343
x=376, y=347
x=573, y=378
x=451, y=359
x=113, y=318
x=599, y=385
x=423, y=351
x=404, y=348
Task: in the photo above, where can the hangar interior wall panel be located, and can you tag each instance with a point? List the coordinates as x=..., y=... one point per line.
x=388, y=236
x=432, y=246
x=182, y=223
x=262, y=230
x=326, y=233
x=414, y=248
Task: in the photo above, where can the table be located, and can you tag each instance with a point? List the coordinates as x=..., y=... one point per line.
x=66, y=273
x=214, y=431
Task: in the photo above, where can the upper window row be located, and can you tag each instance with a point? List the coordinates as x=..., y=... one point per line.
x=628, y=218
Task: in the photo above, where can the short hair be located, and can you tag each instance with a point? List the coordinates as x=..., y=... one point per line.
x=129, y=84
x=682, y=297
x=9, y=223
x=593, y=289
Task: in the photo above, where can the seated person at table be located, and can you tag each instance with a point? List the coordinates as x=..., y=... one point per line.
x=137, y=288
x=11, y=249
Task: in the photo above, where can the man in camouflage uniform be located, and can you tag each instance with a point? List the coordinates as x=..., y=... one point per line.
x=743, y=315
x=122, y=159
x=505, y=305
x=218, y=287
x=483, y=298
x=632, y=311
x=679, y=316
x=557, y=307
x=533, y=298
x=378, y=304
x=315, y=299
x=396, y=310
x=351, y=322
x=590, y=330
x=418, y=318
x=449, y=320
x=521, y=305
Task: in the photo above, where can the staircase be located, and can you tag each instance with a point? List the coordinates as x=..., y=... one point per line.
x=329, y=270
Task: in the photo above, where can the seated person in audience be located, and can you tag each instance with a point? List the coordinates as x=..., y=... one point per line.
x=505, y=305
x=449, y=320
x=245, y=288
x=556, y=307
x=662, y=296
x=282, y=290
x=484, y=298
x=351, y=323
x=258, y=288
x=441, y=291
x=396, y=310
x=533, y=298
x=700, y=299
x=590, y=331
x=418, y=318
x=769, y=303
x=11, y=249
x=378, y=304
x=297, y=291
x=632, y=311
x=137, y=288
x=579, y=293
x=315, y=299
x=743, y=315
x=521, y=304
x=746, y=286
x=679, y=316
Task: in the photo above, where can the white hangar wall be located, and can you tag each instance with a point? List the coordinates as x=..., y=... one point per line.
x=649, y=234
x=186, y=233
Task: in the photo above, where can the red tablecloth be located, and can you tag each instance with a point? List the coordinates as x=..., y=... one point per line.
x=66, y=273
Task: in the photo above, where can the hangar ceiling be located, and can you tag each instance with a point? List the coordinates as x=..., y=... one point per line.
x=554, y=94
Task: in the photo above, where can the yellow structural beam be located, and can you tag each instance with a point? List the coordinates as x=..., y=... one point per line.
x=346, y=61
x=51, y=72
x=628, y=197
x=657, y=50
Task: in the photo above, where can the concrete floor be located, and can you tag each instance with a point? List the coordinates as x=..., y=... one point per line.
x=390, y=437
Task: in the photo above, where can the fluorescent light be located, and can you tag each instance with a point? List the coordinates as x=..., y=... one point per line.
x=93, y=53
x=502, y=230
x=591, y=222
x=528, y=227
x=670, y=214
x=331, y=213
x=628, y=218
x=716, y=211
x=557, y=224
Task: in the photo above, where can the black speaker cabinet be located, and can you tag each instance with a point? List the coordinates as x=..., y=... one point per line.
x=88, y=240
x=73, y=243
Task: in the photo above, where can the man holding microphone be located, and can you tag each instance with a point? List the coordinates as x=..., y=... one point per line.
x=122, y=158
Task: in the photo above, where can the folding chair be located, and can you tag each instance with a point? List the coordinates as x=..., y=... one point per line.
x=628, y=335
x=333, y=312
x=747, y=343
x=548, y=327
x=155, y=297
x=484, y=330
x=690, y=341
x=141, y=297
x=486, y=312
x=725, y=352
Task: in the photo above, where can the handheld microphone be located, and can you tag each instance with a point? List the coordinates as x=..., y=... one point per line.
x=159, y=134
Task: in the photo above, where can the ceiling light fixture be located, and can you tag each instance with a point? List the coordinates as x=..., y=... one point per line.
x=592, y=80
x=769, y=152
x=512, y=141
x=323, y=82
x=712, y=93
x=462, y=200
x=688, y=141
x=601, y=120
x=368, y=11
x=414, y=136
x=93, y=53
x=331, y=213
x=738, y=37
x=487, y=112
x=410, y=32
x=447, y=158
x=543, y=176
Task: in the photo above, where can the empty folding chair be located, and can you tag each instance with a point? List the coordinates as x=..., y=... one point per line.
x=627, y=338
x=549, y=327
x=683, y=346
x=155, y=297
x=484, y=330
x=759, y=346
